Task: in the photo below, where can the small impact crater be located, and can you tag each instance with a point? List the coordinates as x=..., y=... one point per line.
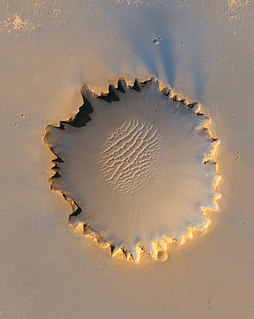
x=156, y=40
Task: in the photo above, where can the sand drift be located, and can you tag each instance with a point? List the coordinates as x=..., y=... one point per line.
x=137, y=167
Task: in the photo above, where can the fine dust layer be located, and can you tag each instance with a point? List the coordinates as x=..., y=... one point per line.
x=136, y=165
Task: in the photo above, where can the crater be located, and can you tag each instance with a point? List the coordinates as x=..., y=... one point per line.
x=137, y=167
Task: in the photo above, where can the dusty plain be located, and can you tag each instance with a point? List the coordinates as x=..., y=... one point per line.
x=48, y=49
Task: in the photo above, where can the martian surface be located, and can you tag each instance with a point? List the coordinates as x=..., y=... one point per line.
x=157, y=217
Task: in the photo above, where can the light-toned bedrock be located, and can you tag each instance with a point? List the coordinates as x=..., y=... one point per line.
x=137, y=165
